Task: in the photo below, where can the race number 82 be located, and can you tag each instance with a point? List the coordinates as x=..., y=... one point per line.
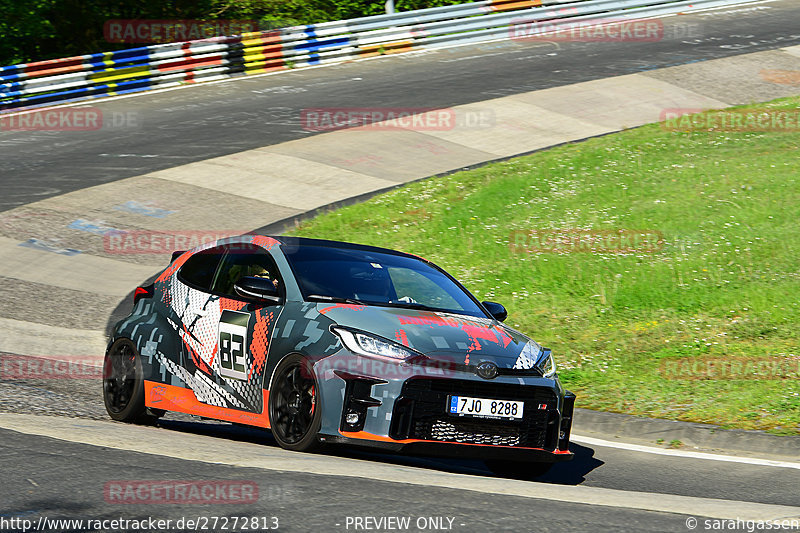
x=231, y=352
x=233, y=360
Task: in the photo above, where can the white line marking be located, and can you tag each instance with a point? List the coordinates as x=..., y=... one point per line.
x=682, y=453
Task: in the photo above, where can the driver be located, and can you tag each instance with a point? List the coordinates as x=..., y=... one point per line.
x=258, y=271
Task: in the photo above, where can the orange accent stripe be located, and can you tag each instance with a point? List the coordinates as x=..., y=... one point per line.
x=182, y=400
x=370, y=436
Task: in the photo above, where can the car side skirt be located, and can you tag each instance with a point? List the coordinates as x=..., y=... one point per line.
x=182, y=400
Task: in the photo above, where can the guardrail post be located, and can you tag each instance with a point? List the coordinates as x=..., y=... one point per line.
x=389, y=7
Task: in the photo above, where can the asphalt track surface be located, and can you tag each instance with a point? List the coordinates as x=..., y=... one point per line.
x=172, y=128
x=300, y=502
x=59, y=479
x=592, y=466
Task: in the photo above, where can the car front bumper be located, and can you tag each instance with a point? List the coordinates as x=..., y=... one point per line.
x=404, y=409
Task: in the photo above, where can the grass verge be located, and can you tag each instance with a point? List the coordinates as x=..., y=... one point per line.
x=700, y=327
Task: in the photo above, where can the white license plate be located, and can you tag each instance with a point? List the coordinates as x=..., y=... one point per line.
x=486, y=407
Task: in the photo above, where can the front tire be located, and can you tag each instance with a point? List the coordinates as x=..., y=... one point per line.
x=123, y=384
x=295, y=414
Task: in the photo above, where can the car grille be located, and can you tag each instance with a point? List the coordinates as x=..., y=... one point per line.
x=420, y=413
x=472, y=433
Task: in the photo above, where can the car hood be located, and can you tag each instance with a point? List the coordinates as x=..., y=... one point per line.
x=442, y=336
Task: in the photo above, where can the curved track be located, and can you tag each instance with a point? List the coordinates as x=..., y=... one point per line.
x=203, y=121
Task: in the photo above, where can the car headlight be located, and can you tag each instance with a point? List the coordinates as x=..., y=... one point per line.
x=372, y=346
x=546, y=365
x=529, y=356
x=534, y=356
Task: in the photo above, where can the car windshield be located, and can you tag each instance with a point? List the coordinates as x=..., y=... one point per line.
x=376, y=278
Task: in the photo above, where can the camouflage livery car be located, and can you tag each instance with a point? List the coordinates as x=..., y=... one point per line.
x=331, y=342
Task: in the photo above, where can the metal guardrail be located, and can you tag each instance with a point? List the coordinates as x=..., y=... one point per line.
x=168, y=65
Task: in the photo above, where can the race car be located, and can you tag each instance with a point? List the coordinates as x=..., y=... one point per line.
x=326, y=342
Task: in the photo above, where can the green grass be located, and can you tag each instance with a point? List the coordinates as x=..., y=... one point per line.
x=724, y=284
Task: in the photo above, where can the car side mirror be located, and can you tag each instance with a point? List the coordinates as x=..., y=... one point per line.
x=496, y=310
x=255, y=288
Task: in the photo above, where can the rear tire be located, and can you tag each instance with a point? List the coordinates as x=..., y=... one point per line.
x=295, y=413
x=517, y=469
x=123, y=384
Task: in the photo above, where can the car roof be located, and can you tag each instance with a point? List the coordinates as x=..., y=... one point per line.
x=305, y=241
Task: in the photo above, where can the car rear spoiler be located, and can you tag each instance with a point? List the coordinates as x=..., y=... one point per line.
x=176, y=254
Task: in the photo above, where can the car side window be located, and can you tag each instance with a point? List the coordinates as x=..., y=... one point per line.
x=198, y=270
x=241, y=261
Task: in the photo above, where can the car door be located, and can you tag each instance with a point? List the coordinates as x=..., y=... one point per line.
x=241, y=329
x=190, y=299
